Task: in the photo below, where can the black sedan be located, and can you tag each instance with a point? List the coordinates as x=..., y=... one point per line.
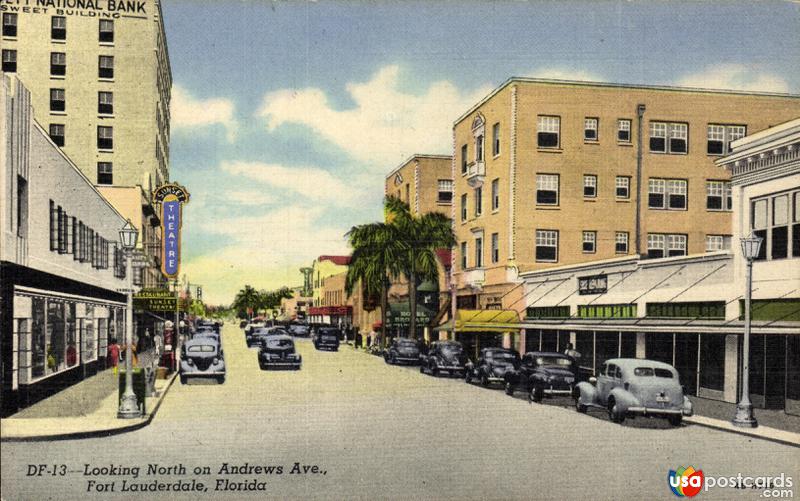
x=255, y=336
x=543, y=374
x=491, y=366
x=326, y=338
x=444, y=356
x=278, y=352
x=402, y=351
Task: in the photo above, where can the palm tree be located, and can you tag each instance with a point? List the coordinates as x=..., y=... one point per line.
x=375, y=261
x=421, y=236
x=245, y=299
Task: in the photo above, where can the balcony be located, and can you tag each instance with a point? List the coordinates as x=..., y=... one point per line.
x=476, y=172
x=474, y=278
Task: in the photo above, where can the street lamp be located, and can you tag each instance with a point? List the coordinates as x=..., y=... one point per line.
x=128, y=405
x=751, y=246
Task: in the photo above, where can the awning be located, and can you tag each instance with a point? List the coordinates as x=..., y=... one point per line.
x=483, y=321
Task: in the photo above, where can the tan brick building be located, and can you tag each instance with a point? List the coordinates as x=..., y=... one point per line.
x=424, y=182
x=547, y=174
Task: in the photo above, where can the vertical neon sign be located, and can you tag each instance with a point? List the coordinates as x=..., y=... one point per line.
x=171, y=198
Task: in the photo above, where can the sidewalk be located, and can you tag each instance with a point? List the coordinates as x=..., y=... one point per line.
x=773, y=425
x=86, y=409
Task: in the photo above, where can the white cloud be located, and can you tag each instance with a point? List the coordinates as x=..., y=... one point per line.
x=189, y=112
x=735, y=77
x=309, y=182
x=564, y=73
x=385, y=126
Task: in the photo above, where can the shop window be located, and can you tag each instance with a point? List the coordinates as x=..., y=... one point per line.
x=712, y=361
x=58, y=100
x=623, y=187
x=58, y=28
x=9, y=24
x=589, y=242
x=9, y=61
x=669, y=137
x=496, y=139
x=547, y=246
x=624, y=130
x=589, y=186
x=606, y=347
x=57, y=134
x=106, y=67
x=106, y=30
x=584, y=344
x=105, y=103
x=590, y=129
x=58, y=64
x=105, y=138
x=720, y=138
x=547, y=189
x=89, y=334
x=39, y=341
x=105, y=173
x=445, y=194
x=548, y=131
x=621, y=242
x=719, y=196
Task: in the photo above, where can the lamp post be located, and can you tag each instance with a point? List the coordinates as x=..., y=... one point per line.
x=751, y=246
x=128, y=405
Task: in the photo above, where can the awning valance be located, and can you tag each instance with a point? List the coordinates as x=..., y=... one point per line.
x=483, y=321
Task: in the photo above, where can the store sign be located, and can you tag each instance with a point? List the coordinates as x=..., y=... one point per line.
x=110, y=9
x=155, y=300
x=398, y=315
x=171, y=197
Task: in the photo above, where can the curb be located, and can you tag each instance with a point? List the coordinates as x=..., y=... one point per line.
x=742, y=432
x=97, y=433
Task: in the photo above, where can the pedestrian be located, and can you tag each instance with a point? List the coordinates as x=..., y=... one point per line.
x=572, y=352
x=158, y=344
x=112, y=359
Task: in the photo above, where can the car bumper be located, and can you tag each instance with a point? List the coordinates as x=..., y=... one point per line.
x=655, y=411
x=278, y=364
x=558, y=391
x=202, y=373
x=451, y=368
x=408, y=360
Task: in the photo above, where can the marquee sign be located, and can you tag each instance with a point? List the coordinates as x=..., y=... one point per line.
x=171, y=197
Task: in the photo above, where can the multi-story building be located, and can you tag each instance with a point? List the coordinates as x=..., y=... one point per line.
x=553, y=173
x=100, y=79
x=295, y=307
x=334, y=306
x=61, y=268
x=424, y=182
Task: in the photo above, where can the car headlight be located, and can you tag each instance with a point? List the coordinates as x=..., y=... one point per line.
x=215, y=361
x=189, y=361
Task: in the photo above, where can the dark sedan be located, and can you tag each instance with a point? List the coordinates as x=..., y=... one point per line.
x=255, y=336
x=492, y=365
x=444, y=356
x=278, y=352
x=402, y=351
x=326, y=338
x=543, y=374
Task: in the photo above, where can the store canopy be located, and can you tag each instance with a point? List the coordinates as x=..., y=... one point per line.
x=483, y=321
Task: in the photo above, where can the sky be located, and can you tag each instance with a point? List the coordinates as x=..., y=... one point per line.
x=287, y=116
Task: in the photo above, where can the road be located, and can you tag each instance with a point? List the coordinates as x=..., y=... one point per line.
x=383, y=432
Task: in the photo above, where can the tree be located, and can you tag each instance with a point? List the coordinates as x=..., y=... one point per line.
x=421, y=236
x=375, y=261
x=246, y=299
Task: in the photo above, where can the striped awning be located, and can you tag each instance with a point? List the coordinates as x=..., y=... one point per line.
x=483, y=321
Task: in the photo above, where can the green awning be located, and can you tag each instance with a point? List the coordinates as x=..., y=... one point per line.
x=483, y=321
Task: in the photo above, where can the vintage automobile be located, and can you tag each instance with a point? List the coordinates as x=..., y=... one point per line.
x=542, y=373
x=401, y=351
x=278, y=352
x=253, y=325
x=255, y=336
x=326, y=338
x=491, y=366
x=628, y=387
x=208, y=335
x=243, y=324
x=298, y=329
x=444, y=356
x=208, y=324
x=202, y=357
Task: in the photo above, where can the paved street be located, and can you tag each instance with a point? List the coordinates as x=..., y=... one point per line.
x=385, y=432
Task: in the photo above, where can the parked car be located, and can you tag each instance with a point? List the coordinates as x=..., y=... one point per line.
x=278, y=352
x=444, y=356
x=253, y=325
x=491, y=366
x=402, y=351
x=202, y=357
x=208, y=324
x=627, y=387
x=542, y=373
x=298, y=329
x=326, y=338
x=243, y=324
x=208, y=335
x=255, y=336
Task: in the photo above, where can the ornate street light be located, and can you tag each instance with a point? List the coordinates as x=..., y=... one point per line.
x=744, y=417
x=128, y=405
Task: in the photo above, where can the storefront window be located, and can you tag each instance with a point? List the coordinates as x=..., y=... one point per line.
x=89, y=336
x=712, y=361
x=39, y=338
x=607, y=345
x=56, y=338
x=70, y=334
x=584, y=344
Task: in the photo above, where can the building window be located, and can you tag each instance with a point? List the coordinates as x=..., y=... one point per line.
x=718, y=242
x=106, y=30
x=22, y=207
x=547, y=189
x=687, y=309
x=495, y=247
x=9, y=24
x=478, y=201
x=623, y=187
x=57, y=100
x=796, y=224
x=479, y=148
x=659, y=245
x=547, y=246
x=776, y=219
x=496, y=139
x=106, y=67
x=589, y=242
x=624, y=130
x=669, y=137
x=495, y=194
x=479, y=252
x=57, y=134
x=621, y=242
x=445, y=191
x=590, y=129
x=548, y=131
x=105, y=137
x=105, y=103
x=721, y=136
x=589, y=186
x=779, y=233
x=58, y=28
x=58, y=64
x=105, y=173
x=464, y=162
x=464, y=207
x=667, y=194
x=463, y=255
x=9, y=61
x=719, y=195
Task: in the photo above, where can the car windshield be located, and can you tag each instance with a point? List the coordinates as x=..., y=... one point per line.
x=329, y=332
x=407, y=343
x=279, y=343
x=649, y=372
x=452, y=348
x=201, y=348
x=553, y=361
x=503, y=356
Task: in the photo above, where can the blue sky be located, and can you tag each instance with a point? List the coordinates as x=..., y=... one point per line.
x=286, y=116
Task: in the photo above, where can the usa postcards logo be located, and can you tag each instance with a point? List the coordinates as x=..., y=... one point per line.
x=685, y=482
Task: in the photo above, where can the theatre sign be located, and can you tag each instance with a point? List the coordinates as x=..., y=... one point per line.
x=170, y=199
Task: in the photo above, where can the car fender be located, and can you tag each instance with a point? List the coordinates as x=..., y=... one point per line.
x=688, y=407
x=587, y=393
x=511, y=376
x=623, y=399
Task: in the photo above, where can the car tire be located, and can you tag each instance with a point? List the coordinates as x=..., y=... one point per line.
x=579, y=406
x=221, y=379
x=613, y=414
x=509, y=389
x=434, y=370
x=421, y=369
x=183, y=379
x=484, y=380
x=468, y=376
x=675, y=420
x=394, y=359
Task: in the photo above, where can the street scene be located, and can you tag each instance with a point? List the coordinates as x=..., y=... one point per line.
x=381, y=250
